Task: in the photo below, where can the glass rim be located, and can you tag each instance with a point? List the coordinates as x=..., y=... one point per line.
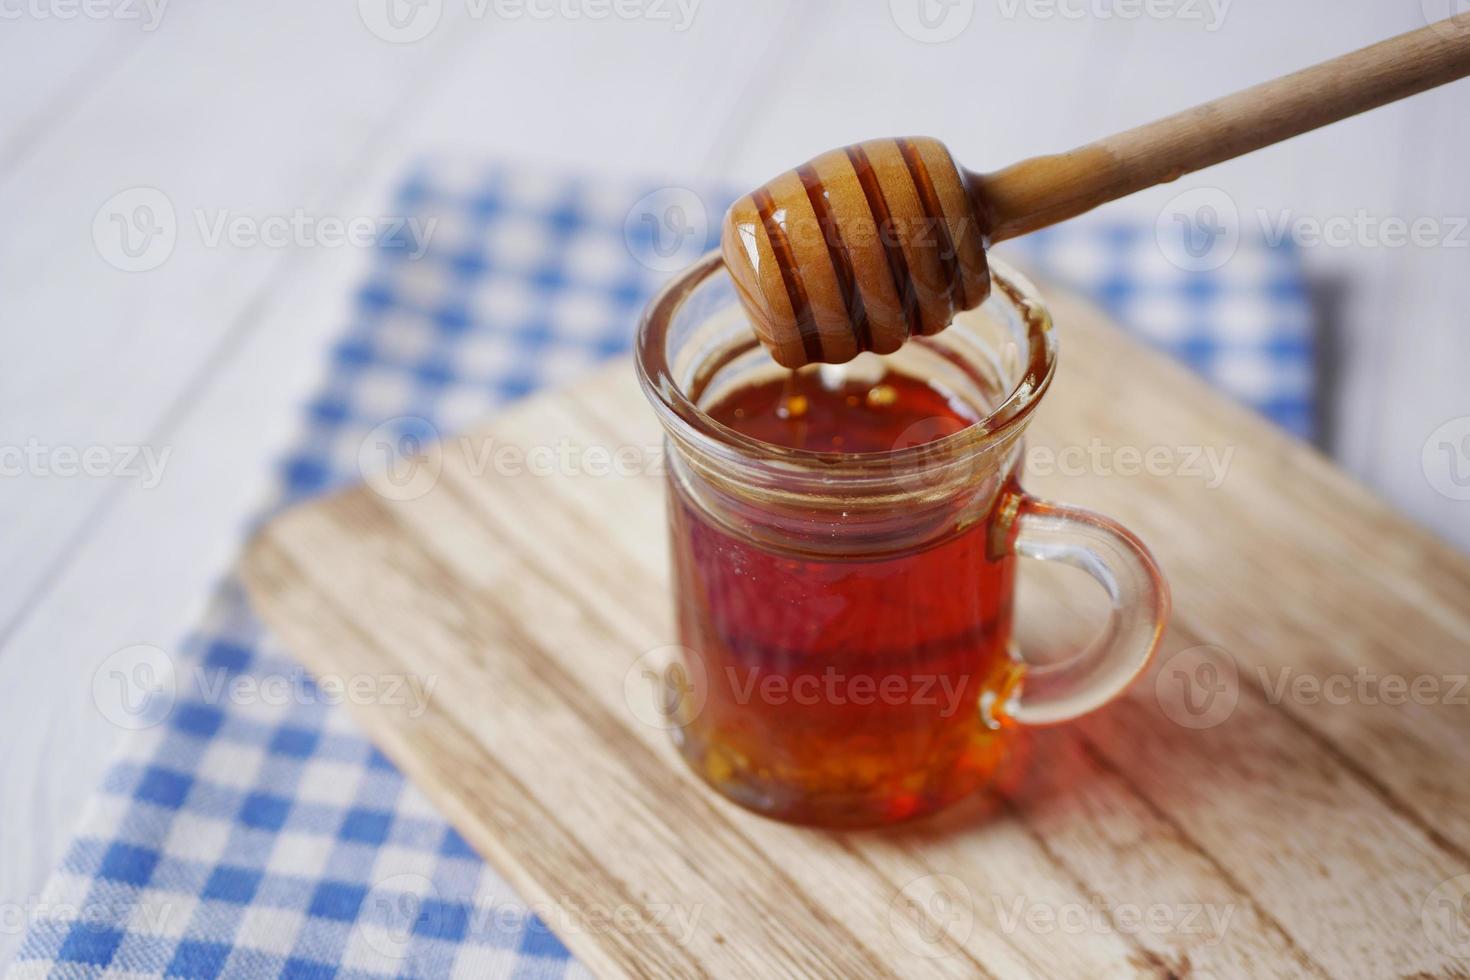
x=675, y=407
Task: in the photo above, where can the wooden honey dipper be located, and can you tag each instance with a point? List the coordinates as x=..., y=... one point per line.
x=866, y=246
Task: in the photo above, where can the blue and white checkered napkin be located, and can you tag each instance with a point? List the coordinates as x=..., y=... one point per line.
x=1247, y=326
x=248, y=829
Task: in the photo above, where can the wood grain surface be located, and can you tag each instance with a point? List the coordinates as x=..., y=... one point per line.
x=1284, y=795
x=213, y=354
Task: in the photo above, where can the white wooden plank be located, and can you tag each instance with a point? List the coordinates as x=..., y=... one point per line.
x=49, y=67
x=105, y=358
x=98, y=355
x=140, y=574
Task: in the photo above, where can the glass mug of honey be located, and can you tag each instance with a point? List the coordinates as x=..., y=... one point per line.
x=844, y=544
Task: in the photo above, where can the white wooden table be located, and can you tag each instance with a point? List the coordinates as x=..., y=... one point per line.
x=276, y=106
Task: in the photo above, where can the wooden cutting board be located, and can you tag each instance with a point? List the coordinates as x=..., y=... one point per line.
x=1286, y=794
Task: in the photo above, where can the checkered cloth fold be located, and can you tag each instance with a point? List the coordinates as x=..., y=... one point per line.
x=247, y=828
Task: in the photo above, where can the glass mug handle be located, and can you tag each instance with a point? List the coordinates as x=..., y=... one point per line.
x=1138, y=607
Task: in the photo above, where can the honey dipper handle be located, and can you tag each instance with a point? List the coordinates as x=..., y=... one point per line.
x=1042, y=191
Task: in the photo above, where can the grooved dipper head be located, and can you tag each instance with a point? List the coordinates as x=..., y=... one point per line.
x=859, y=249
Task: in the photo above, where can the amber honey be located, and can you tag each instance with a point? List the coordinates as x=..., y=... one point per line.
x=844, y=544
x=841, y=689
